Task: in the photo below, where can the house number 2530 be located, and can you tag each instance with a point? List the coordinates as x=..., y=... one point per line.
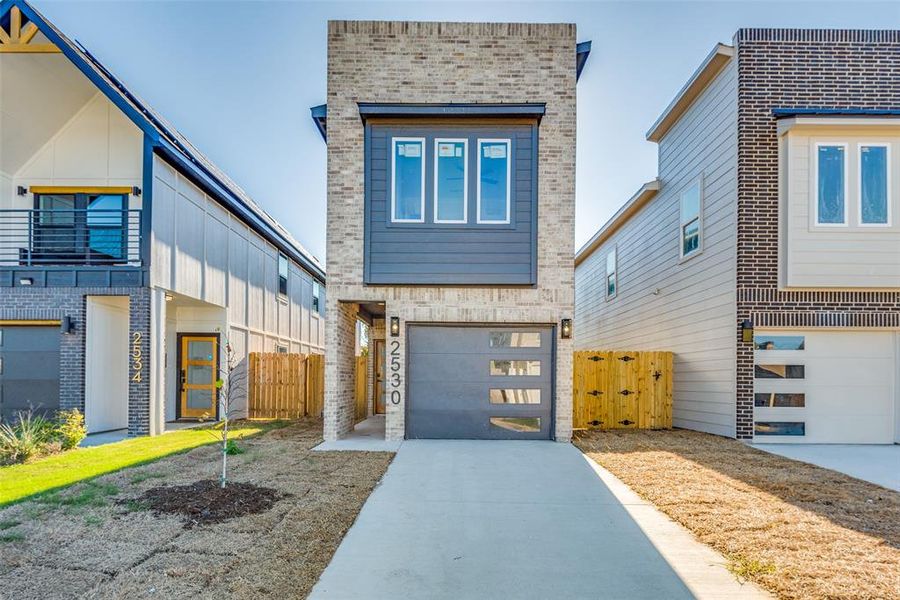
x=396, y=379
x=136, y=357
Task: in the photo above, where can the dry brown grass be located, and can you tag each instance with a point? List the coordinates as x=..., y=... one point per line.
x=796, y=529
x=100, y=549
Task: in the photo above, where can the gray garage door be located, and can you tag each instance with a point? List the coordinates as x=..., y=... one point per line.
x=480, y=382
x=29, y=369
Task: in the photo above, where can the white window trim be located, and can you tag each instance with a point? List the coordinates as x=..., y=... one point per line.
x=682, y=256
x=394, y=141
x=465, y=143
x=508, y=143
x=859, y=183
x=815, y=185
x=615, y=273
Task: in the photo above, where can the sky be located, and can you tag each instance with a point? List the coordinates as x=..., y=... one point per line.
x=238, y=78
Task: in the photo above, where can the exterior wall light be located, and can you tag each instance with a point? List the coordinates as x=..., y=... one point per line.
x=135, y=191
x=565, y=329
x=20, y=190
x=26, y=281
x=395, y=326
x=747, y=331
x=67, y=325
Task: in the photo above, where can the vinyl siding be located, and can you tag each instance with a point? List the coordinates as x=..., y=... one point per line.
x=693, y=313
x=437, y=253
x=835, y=257
x=201, y=251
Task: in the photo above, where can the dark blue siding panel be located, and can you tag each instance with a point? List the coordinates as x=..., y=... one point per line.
x=451, y=254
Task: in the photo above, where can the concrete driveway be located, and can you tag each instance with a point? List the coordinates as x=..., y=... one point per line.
x=479, y=519
x=876, y=464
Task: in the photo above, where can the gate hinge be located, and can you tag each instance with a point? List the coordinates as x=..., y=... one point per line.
x=595, y=422
x=626, y=392
x=595, y=358
x=626, y=422
x=626, y=358
x=595, y=392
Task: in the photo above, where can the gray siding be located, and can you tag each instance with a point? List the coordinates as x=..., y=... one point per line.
x=430, y=253
x=693, y=312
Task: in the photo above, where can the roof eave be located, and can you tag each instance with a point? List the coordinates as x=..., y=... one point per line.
x=640, y=198
x=582, y=52
x=714, y=62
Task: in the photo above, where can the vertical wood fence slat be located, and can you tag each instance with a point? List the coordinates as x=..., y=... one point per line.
x=362, y=364
x=618, y=390
x=284, y=386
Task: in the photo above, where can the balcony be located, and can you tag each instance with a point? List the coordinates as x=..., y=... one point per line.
x=47, y=238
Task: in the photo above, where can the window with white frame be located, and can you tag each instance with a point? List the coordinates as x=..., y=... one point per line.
x=691, y=223
x=493, y=186
x=450, y=180
x=612, y=282
x=831, y=184
x=408, y=180
x=874, y=184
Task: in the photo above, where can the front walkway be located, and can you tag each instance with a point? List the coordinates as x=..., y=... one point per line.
x=480, y=519
x=876, y=464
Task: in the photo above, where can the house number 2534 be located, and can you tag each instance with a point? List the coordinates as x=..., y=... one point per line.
x=137, y=362
x=396, y=379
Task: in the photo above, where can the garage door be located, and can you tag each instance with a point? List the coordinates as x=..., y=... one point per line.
x=825, y=387
x=29, y=369
x=479, y=382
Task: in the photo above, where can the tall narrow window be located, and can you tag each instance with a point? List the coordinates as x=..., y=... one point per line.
x=282, y=275
x=831, y=184
x=611, y=281
x=450, y=181
x=874, y=184
x=493, y=181
x=691, y=204
x=315, y=296
x=408, y=181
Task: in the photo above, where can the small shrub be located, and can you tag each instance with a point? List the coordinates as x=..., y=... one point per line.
x=70, y=429
x=231, y=448
x=27, y=436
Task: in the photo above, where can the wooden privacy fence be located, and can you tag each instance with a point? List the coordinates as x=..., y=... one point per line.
x=622, y=390
x=285, y=386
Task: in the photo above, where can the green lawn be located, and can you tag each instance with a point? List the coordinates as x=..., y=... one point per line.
x=18, y=482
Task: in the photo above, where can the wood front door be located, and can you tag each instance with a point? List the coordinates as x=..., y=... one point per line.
x=199, y=366
x=379, y=377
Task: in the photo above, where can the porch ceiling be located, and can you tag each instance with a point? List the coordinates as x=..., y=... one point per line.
x=39, y=93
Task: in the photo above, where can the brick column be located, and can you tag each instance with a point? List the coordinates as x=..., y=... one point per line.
x=340, y=368
x=139, y=363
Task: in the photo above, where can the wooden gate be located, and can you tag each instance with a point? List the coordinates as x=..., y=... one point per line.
x=285, y=386
x=622, y=390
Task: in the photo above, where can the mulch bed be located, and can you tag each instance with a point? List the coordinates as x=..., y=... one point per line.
x=206, y=501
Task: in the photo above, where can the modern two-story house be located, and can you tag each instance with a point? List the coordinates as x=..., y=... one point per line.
x=451, y=169
x=127, y=259
x=767, y=253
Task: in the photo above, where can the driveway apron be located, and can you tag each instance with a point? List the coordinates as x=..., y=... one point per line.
x=495, y=519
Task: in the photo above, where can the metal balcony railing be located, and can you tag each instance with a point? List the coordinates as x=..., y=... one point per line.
x=70, y=237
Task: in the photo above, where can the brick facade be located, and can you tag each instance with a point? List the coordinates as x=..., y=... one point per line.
x=439, y=63
x=38, y=303
x=788, y=68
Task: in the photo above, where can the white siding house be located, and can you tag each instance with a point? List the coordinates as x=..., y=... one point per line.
x=664, y=301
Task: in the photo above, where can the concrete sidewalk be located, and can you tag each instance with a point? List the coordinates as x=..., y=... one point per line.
x=480, y=519
x=878, y=464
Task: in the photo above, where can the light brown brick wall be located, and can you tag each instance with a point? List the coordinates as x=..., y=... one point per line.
x=436, y=63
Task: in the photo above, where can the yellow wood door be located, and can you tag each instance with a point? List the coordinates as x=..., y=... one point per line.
x=198, y=376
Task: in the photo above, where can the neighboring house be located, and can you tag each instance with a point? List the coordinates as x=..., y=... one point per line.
x=127, y=259
x=451, y=204
x=767, y=253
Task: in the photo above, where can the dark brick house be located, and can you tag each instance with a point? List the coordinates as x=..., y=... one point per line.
x=767, y=253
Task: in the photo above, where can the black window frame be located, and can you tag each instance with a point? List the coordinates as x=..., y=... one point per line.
x=79, y=250
x=316, y=294
x=283, y=278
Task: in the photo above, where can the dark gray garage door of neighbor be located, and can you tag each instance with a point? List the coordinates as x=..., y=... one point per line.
x=479, y=382
x=29, y=369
